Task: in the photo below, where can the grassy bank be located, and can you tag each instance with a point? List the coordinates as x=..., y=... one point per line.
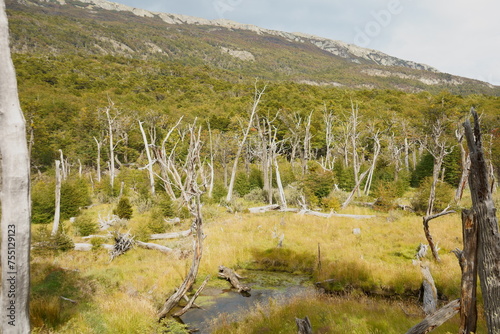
x=123, y=296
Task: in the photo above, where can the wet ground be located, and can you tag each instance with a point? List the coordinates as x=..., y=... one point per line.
x=265, y=286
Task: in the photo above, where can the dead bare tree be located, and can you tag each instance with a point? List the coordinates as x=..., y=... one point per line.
x=15, y=196
x=465, y=159
x=99, y=145
x=257, y=96
x=438, y=148
x=185, y=177
x=57, y=213
x=487, y=224
x=150, y=159
x=328, y=161
x=376, y=153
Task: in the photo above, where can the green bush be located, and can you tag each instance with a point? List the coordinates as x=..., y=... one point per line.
x=75, y=194
x=84, y=225
x=123, y=208
x=156, y=224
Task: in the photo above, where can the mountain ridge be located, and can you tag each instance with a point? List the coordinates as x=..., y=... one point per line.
x=103, y=27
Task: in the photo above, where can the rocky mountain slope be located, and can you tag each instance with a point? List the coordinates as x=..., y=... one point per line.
x=101, y=27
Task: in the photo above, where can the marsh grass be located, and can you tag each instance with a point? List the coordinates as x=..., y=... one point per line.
x=122, y=296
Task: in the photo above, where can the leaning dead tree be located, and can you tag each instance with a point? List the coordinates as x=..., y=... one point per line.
x=253, y=112
x=484, y=215
x=15, y=196
x=185, y=176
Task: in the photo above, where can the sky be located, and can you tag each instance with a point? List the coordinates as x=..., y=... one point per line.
x=460, y=37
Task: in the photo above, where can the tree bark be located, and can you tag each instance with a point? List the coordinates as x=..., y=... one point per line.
x=15, y=196
x=468, y=263
x=436, y=319
x=487, y=225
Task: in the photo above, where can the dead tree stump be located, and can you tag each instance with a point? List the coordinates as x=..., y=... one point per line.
x=233, y=278
x=304, y=325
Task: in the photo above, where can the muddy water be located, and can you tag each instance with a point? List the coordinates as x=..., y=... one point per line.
x=265, y=286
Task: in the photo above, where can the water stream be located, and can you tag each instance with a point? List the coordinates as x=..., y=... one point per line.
x=265, y=286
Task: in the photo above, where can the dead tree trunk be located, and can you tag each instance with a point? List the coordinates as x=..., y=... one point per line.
x=468, y=263
x=150, y=160
x=99, y=144
x=430, y=297
x=233, y=278
x=304, y=326
x=57, y=213
x=258, y=95
x=428, y=235
x=465, y=158
x=436, y=319
x=487, y=225
x=15, y=196
x=111, y=145
x=186, y=177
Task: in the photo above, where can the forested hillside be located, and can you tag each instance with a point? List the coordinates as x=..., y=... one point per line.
x=146, y=128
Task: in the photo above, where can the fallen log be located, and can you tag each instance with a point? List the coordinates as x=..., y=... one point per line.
x=82, y=246
x=233, y=278
x=261, y=209
x=97, y=236
x=353, y=216
x=436, y=319
x=157, y=247
x=304, y=325
x=172, y=235
x=315, y=213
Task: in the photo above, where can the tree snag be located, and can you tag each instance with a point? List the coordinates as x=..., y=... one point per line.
x=233, y=278
x=468, y=263
x=304, y=325
x=15, y=196
x=484, y=211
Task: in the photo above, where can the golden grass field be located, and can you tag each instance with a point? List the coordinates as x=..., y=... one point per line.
x=123, y=296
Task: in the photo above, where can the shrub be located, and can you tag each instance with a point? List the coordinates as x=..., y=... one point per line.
x=85, y=225
x=330, y=203
x=123, y=209
x=156, y=224
x=386, y=193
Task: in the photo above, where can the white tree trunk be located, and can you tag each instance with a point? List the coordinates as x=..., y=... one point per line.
x=111, y=147
x=150, y=160
x=15, y=197
x=57, y=213
x=258, y=95
x=98, y=159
